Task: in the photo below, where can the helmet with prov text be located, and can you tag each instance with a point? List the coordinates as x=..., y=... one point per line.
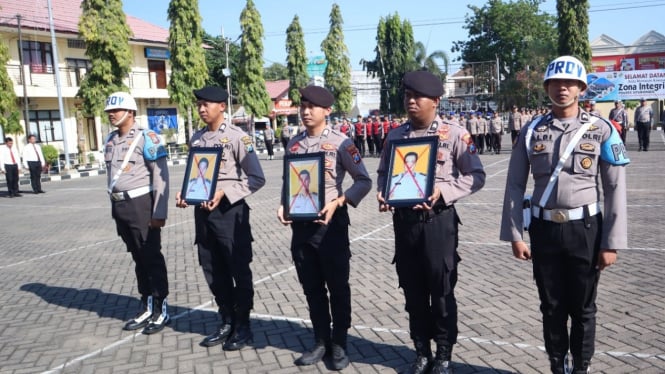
x=120, y=100
x=566, y=67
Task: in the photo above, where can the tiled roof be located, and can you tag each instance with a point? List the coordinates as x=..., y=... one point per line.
x=277, y=89
x=66, y=13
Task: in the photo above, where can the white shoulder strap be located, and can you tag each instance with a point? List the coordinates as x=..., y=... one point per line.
x=562, y=160
x=125, y=161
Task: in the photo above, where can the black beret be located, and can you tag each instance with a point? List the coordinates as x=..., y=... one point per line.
x=212, y=94
x=424, y=83
x=318, y=96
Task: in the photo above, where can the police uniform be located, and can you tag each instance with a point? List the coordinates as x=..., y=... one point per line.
x=515, y=123
x=643, y=117
x=618, y=114
x=496, y=130
x=426, y=255
x=568, y=232
x=402, y=185
x=321, y=253
x=138, y=195
x=304, y=203
x=482, y=130
x=224, y=236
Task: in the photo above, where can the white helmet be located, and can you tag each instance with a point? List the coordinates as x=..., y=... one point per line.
x=120, y=100
x=566, y=67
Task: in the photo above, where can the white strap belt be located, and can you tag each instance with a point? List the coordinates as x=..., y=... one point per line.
x=131, y=194
x=564, y=215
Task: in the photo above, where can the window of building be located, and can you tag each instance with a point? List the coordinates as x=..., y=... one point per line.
x=39, y=56
x=45, y=124
x=76, y=43
x=75, y=65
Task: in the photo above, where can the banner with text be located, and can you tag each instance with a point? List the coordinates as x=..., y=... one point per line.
x=160, y=119
x=626, y=85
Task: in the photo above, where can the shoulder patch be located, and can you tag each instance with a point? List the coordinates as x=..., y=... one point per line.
x=152, y=147
x=613, y=150
x=246, y=140
x=355, y=154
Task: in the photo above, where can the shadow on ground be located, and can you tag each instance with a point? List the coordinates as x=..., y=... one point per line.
x=281, y=334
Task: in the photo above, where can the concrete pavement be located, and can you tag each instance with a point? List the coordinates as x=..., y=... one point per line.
x=68, y=285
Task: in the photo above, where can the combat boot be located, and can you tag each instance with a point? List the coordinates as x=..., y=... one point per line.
x=160, y=317
x=242, y=333
x=143, y=316
x=224, y=331
x=581, y=367
x=423, y=357
x=560, y=365
x=441, y=364
x=339, y=359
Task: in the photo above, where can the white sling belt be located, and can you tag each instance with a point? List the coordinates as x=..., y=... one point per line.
x=557, y=215
x=118, y=196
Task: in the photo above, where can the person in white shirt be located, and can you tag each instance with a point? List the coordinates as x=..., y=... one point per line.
x=9, y=161
x=33, y=160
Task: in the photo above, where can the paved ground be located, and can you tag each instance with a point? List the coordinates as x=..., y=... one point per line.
x=68, y=285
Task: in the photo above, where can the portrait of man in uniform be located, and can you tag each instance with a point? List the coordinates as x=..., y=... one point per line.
x=304, y=175
x=410, y=183
x=411, y=170
x=201, y=175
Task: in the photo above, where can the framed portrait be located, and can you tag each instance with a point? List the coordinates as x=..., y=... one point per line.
x=201, y=175
x=304, y=190
x=410, y=177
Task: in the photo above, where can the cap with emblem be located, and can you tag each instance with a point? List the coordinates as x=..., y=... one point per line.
x=213, y=94
x=318, y=96
x=423, y=82
x=566, y=67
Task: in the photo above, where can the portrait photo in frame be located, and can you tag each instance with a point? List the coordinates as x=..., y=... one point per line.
x=304, y=190
x=201, y=175
x=410, y=175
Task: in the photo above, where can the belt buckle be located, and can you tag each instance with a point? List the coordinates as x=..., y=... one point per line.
x=560, y=215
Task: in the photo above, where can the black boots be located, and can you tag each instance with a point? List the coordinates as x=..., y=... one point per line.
x=160, y=317
x=441, y=364
x=312, y=356
x=224, y=331
x=423, y=357
x=143, y=316
x=242, y=332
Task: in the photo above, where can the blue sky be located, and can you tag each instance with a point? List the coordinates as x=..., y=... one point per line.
x=437, y=23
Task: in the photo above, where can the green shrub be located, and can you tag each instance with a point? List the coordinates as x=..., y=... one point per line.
x=50, y=154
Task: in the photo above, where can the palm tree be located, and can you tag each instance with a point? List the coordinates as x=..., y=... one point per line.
x=437, y=62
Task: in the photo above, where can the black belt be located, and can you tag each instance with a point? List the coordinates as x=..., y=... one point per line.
x=409, y=215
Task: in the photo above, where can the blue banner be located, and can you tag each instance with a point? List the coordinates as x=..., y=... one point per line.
x=160, y=119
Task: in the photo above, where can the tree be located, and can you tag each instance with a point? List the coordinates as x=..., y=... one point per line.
x=216, y=61
x=573, y=20
x=431, y=62
x=275, y=72
x=188, y=64
x=296, y=60
x=395, y=54
x=508, y=32
x=251, y=85
x=103, y=27
x=338, y=71
x=9, y=114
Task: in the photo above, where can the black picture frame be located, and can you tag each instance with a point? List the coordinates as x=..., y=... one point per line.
x=406, y=187
x=194, y=191
x=302, y=205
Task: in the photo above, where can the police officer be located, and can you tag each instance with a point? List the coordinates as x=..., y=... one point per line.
x=571, y=241
x=643, y=118
x=515, y=123
x=619, y=115
x=138, y=184
x=496, y=130
x=223, y=233
x=360, y=135
x=592, y=108
x=426, y=234
x=320, y=249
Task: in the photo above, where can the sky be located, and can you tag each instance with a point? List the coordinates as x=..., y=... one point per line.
x=436, y=23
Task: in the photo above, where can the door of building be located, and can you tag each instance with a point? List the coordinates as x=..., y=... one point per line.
x=159, y=68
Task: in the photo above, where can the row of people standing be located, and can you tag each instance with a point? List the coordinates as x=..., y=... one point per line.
x=33, y=160
x=426, y=235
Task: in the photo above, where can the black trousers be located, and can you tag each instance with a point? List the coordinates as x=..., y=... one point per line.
x=360, y=144
x=370, y=144
x=321, y=255
x=11, y=175
x=496, y=142
x=643, y=132
x=564, y=265
x=426, y=260
x=132, y=219
x=480, y=142
x=224, y=239
x=378, y=144
x=269, y=147
x=513, y=135
x=35, y=168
